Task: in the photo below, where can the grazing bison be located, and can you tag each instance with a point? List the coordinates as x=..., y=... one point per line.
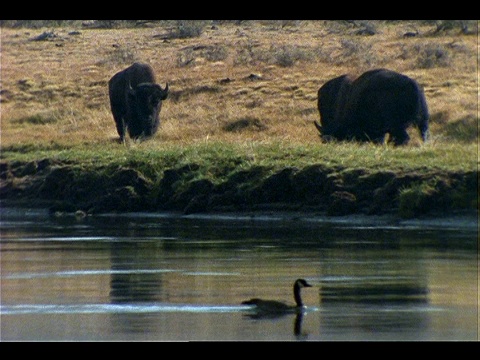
x=368, y=107
x=135, y=101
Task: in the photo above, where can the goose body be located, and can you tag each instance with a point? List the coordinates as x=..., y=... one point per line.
x=272, y=306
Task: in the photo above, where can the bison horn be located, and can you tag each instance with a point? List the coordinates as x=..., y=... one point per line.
x=131, y=90
x=164, y=93
x=318, y=126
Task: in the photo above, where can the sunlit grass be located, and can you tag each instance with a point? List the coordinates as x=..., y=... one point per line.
x=272, y=154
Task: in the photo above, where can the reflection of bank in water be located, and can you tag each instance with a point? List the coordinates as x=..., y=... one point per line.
x=134, y=283
x=373, y=290
x=135, y=280
x=381, y=306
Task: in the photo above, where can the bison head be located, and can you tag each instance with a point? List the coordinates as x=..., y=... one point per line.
x=144, y=104
x=330, y=133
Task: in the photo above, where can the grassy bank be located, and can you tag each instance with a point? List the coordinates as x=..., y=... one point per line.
x=239, y=119
x=333, y=179
x=276, y=155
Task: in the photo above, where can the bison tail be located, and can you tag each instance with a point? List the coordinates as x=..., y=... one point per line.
x=423, y=115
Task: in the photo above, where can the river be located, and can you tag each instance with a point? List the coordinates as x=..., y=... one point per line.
x=166, y=277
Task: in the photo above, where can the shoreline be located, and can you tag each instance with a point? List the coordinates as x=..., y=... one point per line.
x=312, y=191
x=465, y=221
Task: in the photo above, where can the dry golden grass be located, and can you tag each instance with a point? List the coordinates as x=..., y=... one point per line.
x=55, y=91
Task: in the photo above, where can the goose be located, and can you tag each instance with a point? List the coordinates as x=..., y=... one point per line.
x=272, y=306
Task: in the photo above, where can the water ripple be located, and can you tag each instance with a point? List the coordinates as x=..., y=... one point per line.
x=70, y=273
x=83, y=273
x=116, y=308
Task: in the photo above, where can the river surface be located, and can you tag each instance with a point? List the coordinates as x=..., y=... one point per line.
x=143, y=277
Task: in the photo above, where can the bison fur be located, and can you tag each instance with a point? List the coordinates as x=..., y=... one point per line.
x=136, y=101
x=367, y=108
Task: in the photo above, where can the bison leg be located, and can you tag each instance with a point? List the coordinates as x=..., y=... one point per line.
x=120, y=124
x=379, y=139
x=121, y=130
x=399, y=137
x=425, y=133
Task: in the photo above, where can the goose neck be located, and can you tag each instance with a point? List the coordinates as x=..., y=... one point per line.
x=296, y=295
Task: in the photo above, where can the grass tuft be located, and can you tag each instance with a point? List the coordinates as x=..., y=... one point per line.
x=415, y=199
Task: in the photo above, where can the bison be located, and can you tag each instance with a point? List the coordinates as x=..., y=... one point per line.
x=366, y=108
x=136, y=101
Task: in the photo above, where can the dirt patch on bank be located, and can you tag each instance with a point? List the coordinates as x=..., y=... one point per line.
x=67, y=187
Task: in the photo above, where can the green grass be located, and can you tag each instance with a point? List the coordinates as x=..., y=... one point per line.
x=216, y=158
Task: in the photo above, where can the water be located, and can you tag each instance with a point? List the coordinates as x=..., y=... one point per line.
x=161, y=277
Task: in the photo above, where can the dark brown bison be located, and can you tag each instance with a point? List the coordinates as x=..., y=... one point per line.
x=377, y=103
x=136, y=101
